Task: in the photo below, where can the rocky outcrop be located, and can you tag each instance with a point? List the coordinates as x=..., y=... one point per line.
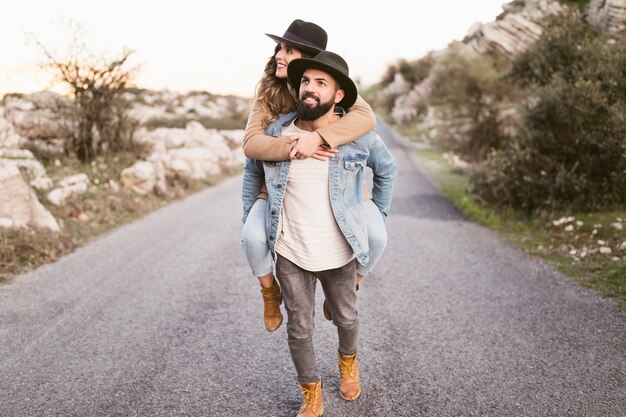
x=513, y=31
x=25, y=160
x=518, y=27
x=189, y=154
x=41, y=121
x=607, y=15
x=9, y=138
x=42, y=116
x=406, y=105
x=19, y=206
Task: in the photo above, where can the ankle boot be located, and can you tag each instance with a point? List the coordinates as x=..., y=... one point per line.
x=312, y=402
x=272, y=316
x=349, y=386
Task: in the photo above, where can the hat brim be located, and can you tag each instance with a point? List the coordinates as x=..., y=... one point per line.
x=311, y=50
x=296, y=68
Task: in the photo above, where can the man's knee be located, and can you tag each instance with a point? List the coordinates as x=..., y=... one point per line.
x=346, y=322
x=299, y=329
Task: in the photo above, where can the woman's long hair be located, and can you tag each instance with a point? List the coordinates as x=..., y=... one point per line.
x=275, y=95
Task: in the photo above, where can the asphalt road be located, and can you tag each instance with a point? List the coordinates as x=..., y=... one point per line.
x=163, y=318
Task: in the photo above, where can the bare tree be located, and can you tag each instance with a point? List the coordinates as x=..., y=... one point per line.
x=96, y=84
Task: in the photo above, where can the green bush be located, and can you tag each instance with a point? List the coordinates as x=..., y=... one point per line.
x=570, y=152
x=580, y=4
x=470, y=88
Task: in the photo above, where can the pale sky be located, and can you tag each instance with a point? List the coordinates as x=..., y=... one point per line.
x=221, y=47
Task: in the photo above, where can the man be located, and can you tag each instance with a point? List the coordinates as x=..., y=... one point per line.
x=316, y=227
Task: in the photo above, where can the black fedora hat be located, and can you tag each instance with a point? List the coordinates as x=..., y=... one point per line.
x=328, y=62
x=306, y=36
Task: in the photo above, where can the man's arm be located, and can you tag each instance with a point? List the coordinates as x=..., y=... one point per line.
x=384, y=170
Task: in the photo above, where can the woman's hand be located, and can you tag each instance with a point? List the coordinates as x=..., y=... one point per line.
x=323, y=154
x=306, y=145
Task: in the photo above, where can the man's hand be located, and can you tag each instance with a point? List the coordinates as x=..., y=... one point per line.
x=306, y=144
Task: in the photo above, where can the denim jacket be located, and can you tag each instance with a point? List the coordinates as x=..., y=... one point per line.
x=346, y=181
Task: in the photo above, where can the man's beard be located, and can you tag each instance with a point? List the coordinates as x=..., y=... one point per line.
x=308, y=113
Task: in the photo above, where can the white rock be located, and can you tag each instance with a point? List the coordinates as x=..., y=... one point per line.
x=140, y=177
x=69, y=187
x=605, y=250
x=608, y=15
x=113, y=185
x=19, y=203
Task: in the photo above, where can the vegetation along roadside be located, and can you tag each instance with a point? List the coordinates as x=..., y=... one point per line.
x=529, y=141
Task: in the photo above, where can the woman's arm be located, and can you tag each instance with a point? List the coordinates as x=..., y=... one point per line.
x=258, y=145
x=359, y=120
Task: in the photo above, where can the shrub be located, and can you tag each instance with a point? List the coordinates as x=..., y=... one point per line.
x=471, y=89
x=571, y=151
x=580, y=4
x=97, y=85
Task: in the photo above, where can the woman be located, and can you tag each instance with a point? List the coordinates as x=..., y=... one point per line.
x=275, y=96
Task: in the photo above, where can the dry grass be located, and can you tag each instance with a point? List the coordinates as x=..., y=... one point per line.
x=23, y=249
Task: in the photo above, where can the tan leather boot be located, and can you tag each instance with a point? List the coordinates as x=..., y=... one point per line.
x=272, y=316
x=312, y=402
x=349, y=386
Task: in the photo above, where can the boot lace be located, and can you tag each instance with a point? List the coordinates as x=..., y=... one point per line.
x=310, y=397
x=346, y=367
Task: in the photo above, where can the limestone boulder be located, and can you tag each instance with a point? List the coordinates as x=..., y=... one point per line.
x=43, y=115
x=19, y=206
x=607, y=15
x=141, y=177
x=24, y=159
x=68, y=187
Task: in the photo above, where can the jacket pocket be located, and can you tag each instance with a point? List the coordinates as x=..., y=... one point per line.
x=354, y=162
x=352, y=167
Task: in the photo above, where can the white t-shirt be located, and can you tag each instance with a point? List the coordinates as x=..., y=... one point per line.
x=309, y=235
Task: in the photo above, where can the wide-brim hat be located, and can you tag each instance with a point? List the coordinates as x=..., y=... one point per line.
x=328, y=62
x=306, y=36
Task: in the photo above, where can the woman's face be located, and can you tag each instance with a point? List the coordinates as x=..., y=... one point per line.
x=284, y=55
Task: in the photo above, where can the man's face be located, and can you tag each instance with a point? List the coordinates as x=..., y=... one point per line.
x=318, y=94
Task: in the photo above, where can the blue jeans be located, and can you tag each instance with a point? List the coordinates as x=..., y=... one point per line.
x=254, y=240
x=256, y=249
x=298, y=290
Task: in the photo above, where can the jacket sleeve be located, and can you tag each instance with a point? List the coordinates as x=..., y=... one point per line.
x=258, y=145
x=253, y=179
x=359, y=120
x=384, y=170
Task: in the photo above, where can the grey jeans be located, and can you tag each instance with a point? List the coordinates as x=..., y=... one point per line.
x=298, y=291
